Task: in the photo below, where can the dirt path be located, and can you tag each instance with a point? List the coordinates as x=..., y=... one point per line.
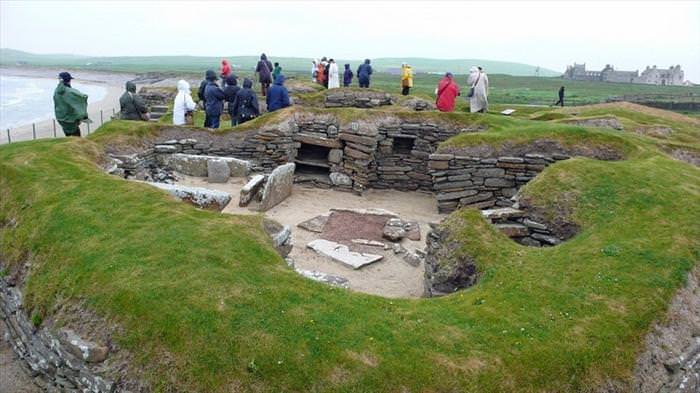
x=391, y=276
x=13, y=379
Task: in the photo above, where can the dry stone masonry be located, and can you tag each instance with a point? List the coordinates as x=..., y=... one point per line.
x=357, y=99
x=58, y=361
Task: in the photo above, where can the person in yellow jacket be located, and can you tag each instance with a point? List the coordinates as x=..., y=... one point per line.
x=406, y=78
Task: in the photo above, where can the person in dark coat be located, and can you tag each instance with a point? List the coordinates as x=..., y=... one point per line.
x=70, y=106
x=278, y=96
x=246, y=104
x=364, y=71
x=200, y=92
x=264, y=70
x=132, y=105
x=214, y=101
x=561, y=97
x=347, y=76
x=230, y=93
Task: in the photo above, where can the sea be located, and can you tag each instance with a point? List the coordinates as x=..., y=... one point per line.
x=25, y=100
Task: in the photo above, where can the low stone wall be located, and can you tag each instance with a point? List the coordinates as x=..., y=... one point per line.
x=338, y=98
x=57, y=361
x=466, y=181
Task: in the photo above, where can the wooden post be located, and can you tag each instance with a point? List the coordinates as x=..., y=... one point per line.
x=101, y=118
x=9, y=140
x=54, y=128
x=34, y=130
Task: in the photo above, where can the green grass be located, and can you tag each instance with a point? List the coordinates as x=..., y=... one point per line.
x=207, y=306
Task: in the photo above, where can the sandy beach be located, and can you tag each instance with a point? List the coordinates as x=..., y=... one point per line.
x=98, y=111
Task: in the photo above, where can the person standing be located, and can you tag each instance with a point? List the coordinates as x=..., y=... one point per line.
x=264, y=70
x=230, y=93
x=183, y=103
x=406, y=79
x=321, y=72
x=200, y=93
x=364, y=72
x=131, y=104
x=246, y=104
x=447, y=92
x=478, y=93
x=70, y=105
x=326, y=69
x=347, y=76
x=314, y=70
x=333, y=75
x=276, y=71
x=214, y=98
x=278, y=96
x=561, y=97
x=225, y=69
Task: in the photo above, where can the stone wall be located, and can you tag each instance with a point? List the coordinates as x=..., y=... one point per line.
x=338, y=98
x=467, y=181
x=58, y=361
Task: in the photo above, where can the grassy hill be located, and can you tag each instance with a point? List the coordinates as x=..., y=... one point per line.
x=198, y=63
x=206, y=305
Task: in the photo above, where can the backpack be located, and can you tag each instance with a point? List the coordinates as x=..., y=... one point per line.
x=247, y=110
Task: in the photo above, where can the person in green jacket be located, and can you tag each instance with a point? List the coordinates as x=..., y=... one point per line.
x=132, y=105
x=276, y=71
x=70, y=106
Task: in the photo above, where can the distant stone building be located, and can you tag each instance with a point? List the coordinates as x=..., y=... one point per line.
x=650, y=76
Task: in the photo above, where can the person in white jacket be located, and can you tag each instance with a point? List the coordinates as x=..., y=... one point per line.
x=478, y=102
x=183, y=102
x=333, y=76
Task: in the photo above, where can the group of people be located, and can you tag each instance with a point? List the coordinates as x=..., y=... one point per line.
x=448, y=90
x=325, y=72
x=242, y=102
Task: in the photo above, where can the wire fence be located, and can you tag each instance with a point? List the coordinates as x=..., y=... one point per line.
x=51, y=128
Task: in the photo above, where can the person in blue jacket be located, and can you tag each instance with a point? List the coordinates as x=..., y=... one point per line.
x=230, y=92
x=213, y=100
x=347, y=76
x=363, y=73
x=278, y=96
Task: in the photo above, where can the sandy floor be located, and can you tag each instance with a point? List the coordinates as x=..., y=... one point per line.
x=391, y=276
x=113, y=82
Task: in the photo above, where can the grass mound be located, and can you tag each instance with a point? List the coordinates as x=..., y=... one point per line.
x=207, y=306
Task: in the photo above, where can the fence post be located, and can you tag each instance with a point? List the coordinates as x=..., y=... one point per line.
x=9, y=140
x=88, y=128
x=34, y=130
x=101, y=118
x=54, y=127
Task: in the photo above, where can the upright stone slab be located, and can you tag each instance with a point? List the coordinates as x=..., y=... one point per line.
x=250, y=190
x=278, y=187
x=196, y=165
x=218, y=171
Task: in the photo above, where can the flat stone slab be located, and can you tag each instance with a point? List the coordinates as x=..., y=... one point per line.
x=336, y=281
x=196, y=165
x=315, y=224
x=513, y=230
x=278, y=187
x=218, y=171
x=250, y=190
x=198, y=196
x=502, y=213
x=370, y=211
x=341, y=253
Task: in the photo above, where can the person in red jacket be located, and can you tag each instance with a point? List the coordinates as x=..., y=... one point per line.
x=447, y=92
x=225, y=69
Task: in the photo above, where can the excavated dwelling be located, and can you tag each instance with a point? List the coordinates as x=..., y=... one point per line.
x=357, y=200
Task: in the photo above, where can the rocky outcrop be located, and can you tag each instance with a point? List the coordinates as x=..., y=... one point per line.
x=446, y=268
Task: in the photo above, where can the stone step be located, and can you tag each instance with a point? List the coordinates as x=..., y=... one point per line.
x=513, y=230
x=502, y=213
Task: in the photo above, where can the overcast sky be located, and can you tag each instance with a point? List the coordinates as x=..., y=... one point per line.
x=629, y=34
